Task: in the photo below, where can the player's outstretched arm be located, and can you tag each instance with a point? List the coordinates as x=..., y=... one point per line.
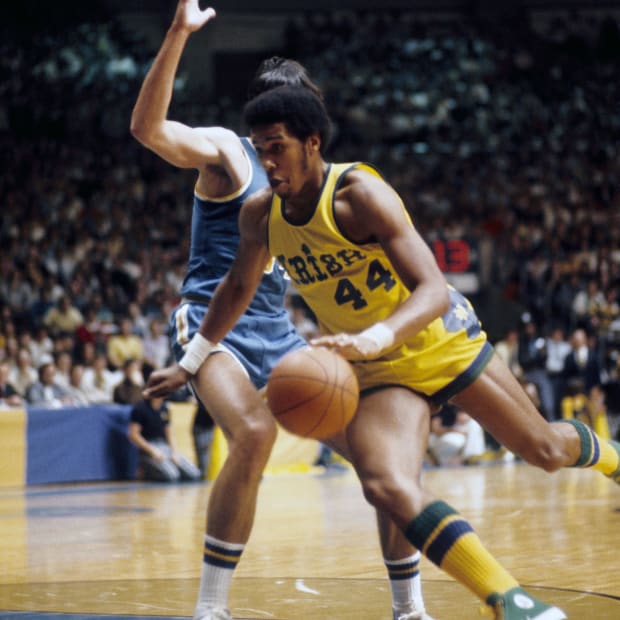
x=182, y=146
x=236, y=290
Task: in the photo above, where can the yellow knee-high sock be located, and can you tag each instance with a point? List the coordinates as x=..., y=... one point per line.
x=596, y=453
x=450, y=542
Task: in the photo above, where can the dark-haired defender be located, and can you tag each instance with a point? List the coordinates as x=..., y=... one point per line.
x=228, y=172
x=347, y=242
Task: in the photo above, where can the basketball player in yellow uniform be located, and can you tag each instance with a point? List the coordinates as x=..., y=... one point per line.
x=344, y=236
x=227, y=384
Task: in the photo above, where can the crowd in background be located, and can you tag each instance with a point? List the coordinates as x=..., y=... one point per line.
x=506, y=135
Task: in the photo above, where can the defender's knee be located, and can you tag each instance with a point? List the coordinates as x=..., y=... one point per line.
x=253, y=438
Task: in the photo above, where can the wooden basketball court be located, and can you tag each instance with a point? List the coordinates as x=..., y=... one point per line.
x=134, y=549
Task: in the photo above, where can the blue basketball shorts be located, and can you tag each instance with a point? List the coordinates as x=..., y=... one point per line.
x=257, y=343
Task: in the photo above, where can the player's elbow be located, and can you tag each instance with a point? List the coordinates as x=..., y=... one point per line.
x=142, y=130
x=139, y=130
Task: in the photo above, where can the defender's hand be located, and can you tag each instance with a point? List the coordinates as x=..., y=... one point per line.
x=163, y=382
x=189, y=15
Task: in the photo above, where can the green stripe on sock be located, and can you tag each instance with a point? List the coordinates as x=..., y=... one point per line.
x=586, y=442
x=419, y=530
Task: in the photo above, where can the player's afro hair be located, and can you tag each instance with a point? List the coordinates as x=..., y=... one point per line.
x=298, y=108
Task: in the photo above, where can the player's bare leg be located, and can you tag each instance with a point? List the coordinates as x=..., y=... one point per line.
x=386, y=440
x=498, y=402
x=250, y=431
x=400, y=557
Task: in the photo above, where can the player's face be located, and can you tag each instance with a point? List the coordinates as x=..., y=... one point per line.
x=284, y=158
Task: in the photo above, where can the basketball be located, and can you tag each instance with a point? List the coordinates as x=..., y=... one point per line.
x=313, y=392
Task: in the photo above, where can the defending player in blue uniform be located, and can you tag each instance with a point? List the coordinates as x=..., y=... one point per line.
x=228, y=383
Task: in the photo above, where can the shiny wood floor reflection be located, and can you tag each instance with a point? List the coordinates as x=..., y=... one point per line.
x=134, y=549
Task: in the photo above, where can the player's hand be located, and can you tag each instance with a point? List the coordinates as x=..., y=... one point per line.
x=163, y=382
x=189, y=15
x=351, y=346
x=158, y=455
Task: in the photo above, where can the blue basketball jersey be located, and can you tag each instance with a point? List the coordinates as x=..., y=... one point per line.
x=214, y=241
x=265, y=332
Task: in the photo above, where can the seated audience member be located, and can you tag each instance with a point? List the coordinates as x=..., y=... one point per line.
x=155, y=345
x=9, y=396
x=23, y=374
x=99, y=381
x=581, y=363
x=125, y=345
x=508, y=349
x=64, y=362
x=129, y=390
x=455, y=437
x=75, y=389
x=46, y=392
x=587, y=407
x=63, y=318
x=41, y=346
x=150, y=430
x=558, y=349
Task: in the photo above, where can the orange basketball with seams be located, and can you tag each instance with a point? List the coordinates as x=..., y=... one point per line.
x=313, y=392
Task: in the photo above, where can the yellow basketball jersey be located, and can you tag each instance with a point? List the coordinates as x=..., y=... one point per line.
x=349, y=287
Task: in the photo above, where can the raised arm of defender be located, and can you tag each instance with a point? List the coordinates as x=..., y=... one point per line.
x=177, y=143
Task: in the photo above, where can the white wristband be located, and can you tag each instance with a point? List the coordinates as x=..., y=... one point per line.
x=196, y=353
x=380, y=334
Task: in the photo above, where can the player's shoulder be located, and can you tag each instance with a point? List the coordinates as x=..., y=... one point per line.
x=254, y=214
x=255, y=209
x=362, y=179
x=260, y=199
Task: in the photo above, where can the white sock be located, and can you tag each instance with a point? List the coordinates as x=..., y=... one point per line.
x=219, y=562
x=405, y=582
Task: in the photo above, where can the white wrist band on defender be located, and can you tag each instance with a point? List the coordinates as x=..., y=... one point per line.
x=196, y=353
x=380, y=334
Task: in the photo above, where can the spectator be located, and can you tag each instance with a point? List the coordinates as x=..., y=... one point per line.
x=533, y=361
x=589, y=408
x=64, y=362
x=9, y=396
x=155, y=345
x=23, y=374
x=99, y=381
x=75, y=389
x=125, y=345
x=588, y=303
x=455, y=437
x=140, y=323
x=582, y=362
x=557, y=350
x=129, y=390
x=150, y=431
x=63, y=318
x=46, y=392
x=508, y=349
x=42, y=346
